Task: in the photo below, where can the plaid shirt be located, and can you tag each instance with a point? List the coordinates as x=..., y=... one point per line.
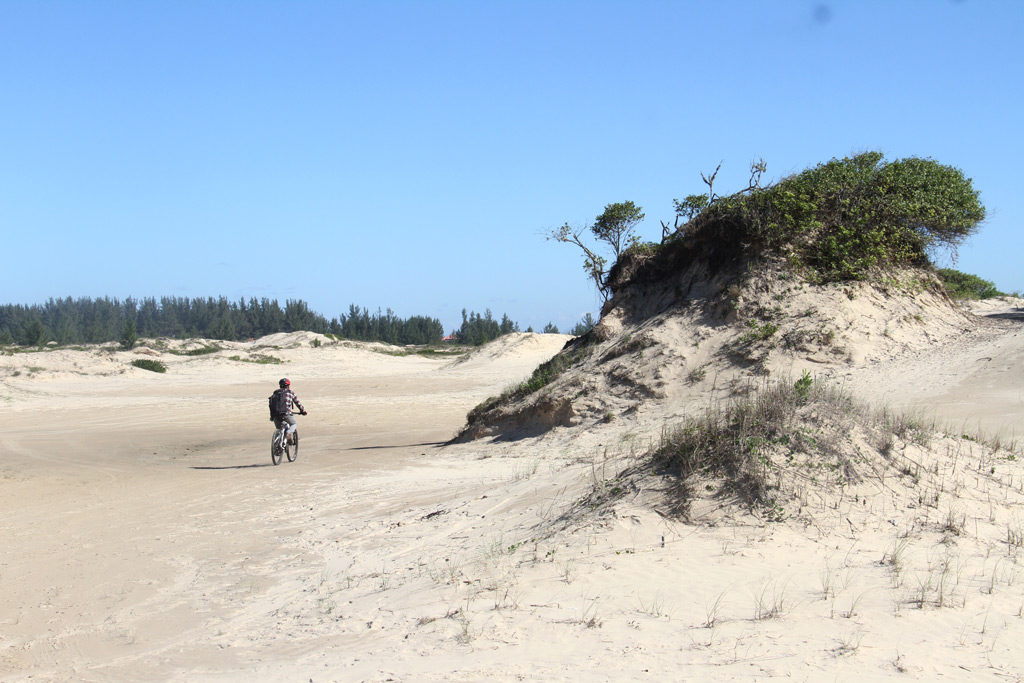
x=292, y=400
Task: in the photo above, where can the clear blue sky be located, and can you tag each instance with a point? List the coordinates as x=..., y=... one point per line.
x=412, y=154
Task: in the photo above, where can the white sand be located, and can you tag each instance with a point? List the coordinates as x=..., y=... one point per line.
x=146, y=536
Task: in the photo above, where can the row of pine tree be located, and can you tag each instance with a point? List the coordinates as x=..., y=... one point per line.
x=93, y=321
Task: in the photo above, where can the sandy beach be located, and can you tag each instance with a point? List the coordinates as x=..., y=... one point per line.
x=146, y=535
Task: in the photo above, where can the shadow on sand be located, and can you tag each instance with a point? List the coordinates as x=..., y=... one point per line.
x=1013, y=315
x=435, y=444
x=230, y=467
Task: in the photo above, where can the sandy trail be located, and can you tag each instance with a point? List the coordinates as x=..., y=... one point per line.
x=135, y=526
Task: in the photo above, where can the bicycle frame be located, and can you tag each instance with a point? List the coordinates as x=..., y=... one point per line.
x=279, y=445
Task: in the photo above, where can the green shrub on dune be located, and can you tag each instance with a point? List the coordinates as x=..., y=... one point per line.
x=840, y=220
x=844, y=217
x=966, y=286
x=149, y=364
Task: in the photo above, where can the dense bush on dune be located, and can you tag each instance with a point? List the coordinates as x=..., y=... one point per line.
x=840, y=220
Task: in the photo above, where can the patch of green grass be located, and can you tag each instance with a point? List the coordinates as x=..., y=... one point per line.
x=758, y=332
x=426, y=352
x=149, y=364
x=442, y=353
x=201, y=351
x=261, y=358
x=10, y=351
x=398, y=353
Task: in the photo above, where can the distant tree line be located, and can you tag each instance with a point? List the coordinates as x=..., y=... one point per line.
x=386, y=327
x=94, y=321
x=479, y=329
x=586, y=324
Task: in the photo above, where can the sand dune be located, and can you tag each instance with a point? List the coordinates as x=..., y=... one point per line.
x=147, y=536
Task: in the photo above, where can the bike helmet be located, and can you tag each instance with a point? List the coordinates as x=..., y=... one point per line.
x=285, y=382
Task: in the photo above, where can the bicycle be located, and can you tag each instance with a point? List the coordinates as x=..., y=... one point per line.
x=279, y=445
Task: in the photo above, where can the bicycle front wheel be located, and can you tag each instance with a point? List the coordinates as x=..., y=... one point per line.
x=292, y=451
x=275, y=447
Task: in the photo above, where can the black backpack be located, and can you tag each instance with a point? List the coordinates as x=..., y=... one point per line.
x=278, y=404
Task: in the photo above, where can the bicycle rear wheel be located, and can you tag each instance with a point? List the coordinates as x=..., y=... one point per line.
x=292, y=451
x=275, y=447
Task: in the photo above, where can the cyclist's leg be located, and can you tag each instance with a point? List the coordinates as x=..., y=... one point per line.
x=291, y=424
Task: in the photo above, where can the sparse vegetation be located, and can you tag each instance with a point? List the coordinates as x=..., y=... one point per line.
x=201, y=351
x=552, y=369
x=260, y=358
x=432, y=352
x=772, y=424
x=770, y=602
x=758, y=331
x=697, y=375
x=427, y=352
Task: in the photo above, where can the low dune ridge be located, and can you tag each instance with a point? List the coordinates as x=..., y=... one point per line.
x=717, y=498
x=510, y=346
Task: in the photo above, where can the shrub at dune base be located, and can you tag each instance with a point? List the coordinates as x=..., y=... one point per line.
x=149, y=364
x=801, y=426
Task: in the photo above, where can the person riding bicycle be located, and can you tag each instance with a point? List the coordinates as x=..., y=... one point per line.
x=290, y=401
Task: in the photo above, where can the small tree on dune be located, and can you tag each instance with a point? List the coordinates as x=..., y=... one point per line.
x=615, y=227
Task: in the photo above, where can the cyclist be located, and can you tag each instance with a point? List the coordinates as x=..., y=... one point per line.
x=290, y=400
